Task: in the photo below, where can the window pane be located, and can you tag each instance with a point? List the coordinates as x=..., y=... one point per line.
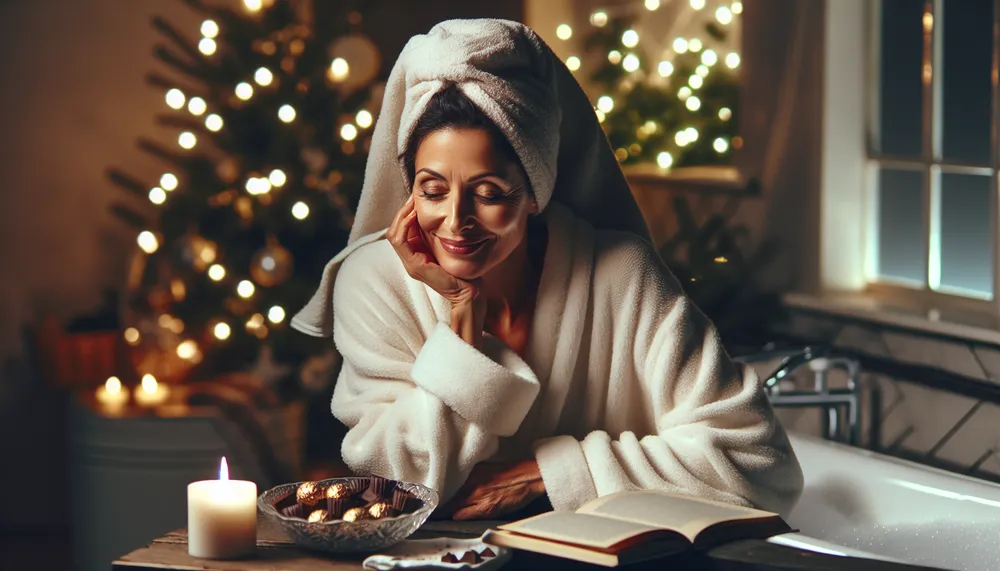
x=901, y=89
x=968, y=51
x=966, y=252
x=901, y=243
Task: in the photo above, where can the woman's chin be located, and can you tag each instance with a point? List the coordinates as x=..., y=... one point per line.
x=462, y=269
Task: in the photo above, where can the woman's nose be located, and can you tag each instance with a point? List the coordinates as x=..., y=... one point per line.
x=460, y=212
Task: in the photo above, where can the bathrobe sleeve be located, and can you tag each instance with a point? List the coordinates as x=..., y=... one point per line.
x=419, y=406
x=715, y=435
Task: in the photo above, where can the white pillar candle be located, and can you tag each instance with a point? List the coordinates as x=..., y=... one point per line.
x=222, y=517
x=151, y=393
x=112, y=396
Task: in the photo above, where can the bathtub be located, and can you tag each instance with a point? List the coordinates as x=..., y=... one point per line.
x=862, y=504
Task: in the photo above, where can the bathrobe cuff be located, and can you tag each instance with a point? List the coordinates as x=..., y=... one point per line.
x=493, y=388
x=565, y=472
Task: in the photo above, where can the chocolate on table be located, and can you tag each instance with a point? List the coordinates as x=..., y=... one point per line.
x=308, y=493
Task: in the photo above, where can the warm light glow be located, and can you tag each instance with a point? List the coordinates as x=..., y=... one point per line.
x=113, y=385
x=720, y=145
x=691, y=133
x=157, y=195
x=216, y=272
x=263, y=76
x=709, y=57
x=131, y=336
x=564, y=31
x=175, y=98
x=573, y=63
x=223, y=465
x=599, y=19
x=253, y=6
x=277, y=177
x=725, y=113
x=600, y=115
x=348, y=132
x=149, y=384
x=363, y=119
x=147, y=241
x=693, y=103
x=701, y=70
x=665, y=68
x=300, y=210
x=255, y=322
x=209, y=29
x=187, y=349
x=286, y=113
x=169, y=181
x=213, y=122
x=684, y=92
x=207, y=46
x=221, y=331
x=245, y=289
x=681, y=139
x=695, y=81
x=737, y=7
x=276, y=314
x=244, y=90
x=339, y=69
x=187, y=140
x=664, y=160
x=724, y=15
x=631, y=63
x=605, y=103
x=615, y=57
x=630, y=38
x=680, y=45
x=652, y=5
x=697, y=4
x=928, y=21
x=258, y=185
x=197, y=106
x=733, y=60
x=694, y=45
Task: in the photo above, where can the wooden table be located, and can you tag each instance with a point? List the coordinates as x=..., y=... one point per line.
x=276, y=553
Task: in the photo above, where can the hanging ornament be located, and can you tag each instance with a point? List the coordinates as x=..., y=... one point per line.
x=272, y=265
x=362, y=57
x=198, y=251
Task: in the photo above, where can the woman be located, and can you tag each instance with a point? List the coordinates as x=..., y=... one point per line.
x=508, y=333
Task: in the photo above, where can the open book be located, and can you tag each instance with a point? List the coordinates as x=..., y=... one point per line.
x=628, y=527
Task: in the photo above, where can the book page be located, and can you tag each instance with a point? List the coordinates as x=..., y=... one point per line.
x=581, y=529
x=685, y=514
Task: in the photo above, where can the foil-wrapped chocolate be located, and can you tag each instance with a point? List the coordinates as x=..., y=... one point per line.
x=449, y=558
x=379, y=510
x=471, y=556
x=308, y=493
x=317, y=516
x=337, y=491
x=487, y=553
x=356, y=514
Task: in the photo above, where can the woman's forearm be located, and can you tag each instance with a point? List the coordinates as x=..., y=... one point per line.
x=465, y=324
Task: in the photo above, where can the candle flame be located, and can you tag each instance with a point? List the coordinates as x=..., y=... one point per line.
x=223, y=469
x=113, y=385
x=149, y=384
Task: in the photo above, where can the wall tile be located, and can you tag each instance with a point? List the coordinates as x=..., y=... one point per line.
x=861, y=338
x=990, y=360
x=889, y=396
x=812, y=327
x=946, y=355
x=930, y=414
x=977, y=435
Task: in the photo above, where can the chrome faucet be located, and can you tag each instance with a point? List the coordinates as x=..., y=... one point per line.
x=820, y=361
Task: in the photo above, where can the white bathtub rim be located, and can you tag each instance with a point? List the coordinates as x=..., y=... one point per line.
x=809, y=543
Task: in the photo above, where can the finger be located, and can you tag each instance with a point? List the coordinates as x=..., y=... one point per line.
x=397, y=220
x=470, y=512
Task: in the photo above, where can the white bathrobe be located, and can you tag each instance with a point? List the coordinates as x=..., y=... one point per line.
x=625, y=384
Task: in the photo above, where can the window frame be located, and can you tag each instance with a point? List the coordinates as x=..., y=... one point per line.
x=930, y=297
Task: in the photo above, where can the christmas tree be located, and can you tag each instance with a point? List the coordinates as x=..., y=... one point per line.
x=272, y=124
x=670, y=98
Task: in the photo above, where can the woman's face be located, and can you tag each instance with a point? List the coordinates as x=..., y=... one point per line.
x=472, y=202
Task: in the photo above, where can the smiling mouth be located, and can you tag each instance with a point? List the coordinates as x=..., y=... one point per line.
x=463, y=247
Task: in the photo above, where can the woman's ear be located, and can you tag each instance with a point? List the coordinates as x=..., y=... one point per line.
x=533, y=207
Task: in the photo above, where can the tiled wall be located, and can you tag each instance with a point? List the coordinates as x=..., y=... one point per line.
x=939, y=426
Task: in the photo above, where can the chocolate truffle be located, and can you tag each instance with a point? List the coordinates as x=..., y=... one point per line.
x=317, y=516
x=449, y=558
x=337, y=490
x=488, y=553
x=308, y=494
x=470, y=556
x=356, y=514
x=378, y=510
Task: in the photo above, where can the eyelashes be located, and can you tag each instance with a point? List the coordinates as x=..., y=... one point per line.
x=493, y=194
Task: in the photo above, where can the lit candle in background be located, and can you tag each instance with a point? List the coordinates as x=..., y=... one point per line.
x=112, y=396
x=150, y=392
x=222, y=517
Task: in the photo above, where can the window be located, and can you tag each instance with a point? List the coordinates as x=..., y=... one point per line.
x=933, y=148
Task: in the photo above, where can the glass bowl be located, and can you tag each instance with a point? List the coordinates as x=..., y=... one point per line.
x=340, y=536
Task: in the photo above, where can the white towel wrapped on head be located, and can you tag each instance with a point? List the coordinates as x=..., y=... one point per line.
x=519, y=83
